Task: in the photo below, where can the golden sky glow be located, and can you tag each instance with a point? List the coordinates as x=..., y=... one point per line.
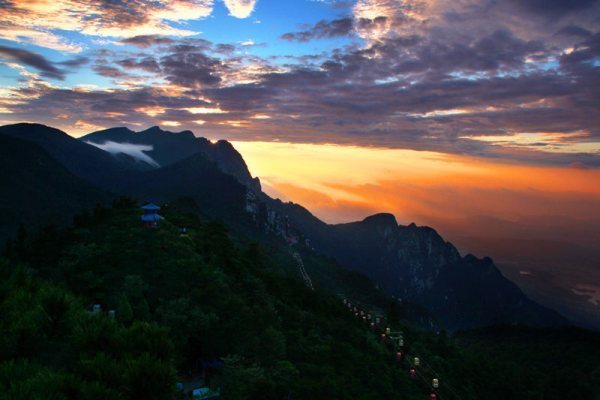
x=343, y=183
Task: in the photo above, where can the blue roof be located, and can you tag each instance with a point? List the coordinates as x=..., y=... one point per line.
x=151, y=207
x=151, y=217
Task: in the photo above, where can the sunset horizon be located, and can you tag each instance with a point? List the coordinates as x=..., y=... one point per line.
x=266, y=199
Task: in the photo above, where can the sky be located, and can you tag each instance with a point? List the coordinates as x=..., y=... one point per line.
x=478, y=117
x=516, y=79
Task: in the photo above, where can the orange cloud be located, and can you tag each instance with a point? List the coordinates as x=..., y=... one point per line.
x=35, y=21
x=377, y=19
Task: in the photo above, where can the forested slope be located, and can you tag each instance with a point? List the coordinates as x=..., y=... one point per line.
x=183, y=301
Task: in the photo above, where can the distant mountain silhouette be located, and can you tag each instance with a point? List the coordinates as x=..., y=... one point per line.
x=167, y=148
x=81, y=159
x=194, y=168
x=412, y=263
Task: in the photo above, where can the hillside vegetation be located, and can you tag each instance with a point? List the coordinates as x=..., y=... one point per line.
x=183, y=301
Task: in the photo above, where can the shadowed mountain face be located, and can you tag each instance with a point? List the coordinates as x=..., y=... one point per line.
x=81, y=159
x=163, y=148
x=416, y=264
x=412, y=263
x=36, y=189
x=216, y=193
x=553, y=259
x=194, y=167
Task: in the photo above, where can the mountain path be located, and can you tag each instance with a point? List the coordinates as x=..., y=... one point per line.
x=303, y=272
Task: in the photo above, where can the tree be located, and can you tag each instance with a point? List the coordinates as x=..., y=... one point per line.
x=124, y=310
x=239, y=381
x=148, y=378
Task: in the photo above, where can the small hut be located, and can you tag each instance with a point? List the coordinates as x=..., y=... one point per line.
x=151, y=218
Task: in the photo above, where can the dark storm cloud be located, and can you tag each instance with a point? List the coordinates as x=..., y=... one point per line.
x=574, y=31
x=374, y=102
x=227, y=49
x=102, y=107
x=322, y=29
x=191, y=69
x=499, y=50
x=335, y=28
x=145, y=41
x=148, y=64
x=553, y=8
x=585, y=51
x=467, y=73
x=366, y=23
x=343, y=94
x=184, y=62
x=120, y=13
x=75, y=62
x=190, y=45
x=249, y=97
x=109, y=71
x=31, y=59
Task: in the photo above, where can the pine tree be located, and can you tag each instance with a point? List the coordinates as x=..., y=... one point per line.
x=124, y=311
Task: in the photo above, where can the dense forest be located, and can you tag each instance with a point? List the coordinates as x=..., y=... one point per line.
x=109, y=309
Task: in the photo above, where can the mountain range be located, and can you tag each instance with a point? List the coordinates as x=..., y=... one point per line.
x=414, y=264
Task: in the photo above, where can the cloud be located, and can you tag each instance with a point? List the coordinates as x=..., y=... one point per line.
x=449, y=76
x=574, y=31
x=378, y=19
x=145, y=41
x=240, y=8
x=136, y=151
x=39, y=37
x=34, y=60
x=148, y=64
x=38, y=21
x=322, y=29
x=109, y=71
x=75, y=62
x=191, y=69
x=554, y=8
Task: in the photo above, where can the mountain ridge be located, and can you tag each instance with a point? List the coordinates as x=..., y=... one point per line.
x=411, y=263
x=415, y=263
x=81, y=159
x=170, y=147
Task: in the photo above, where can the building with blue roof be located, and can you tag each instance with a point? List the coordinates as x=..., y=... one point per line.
x=151, y=218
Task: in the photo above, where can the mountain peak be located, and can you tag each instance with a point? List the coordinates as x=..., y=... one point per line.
x=166, y=148
x=224, y=143
x=157, y=130
x=29, y=130
x=117, y=133
x=154, y=128
x=384, y=220
x=80, y=158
